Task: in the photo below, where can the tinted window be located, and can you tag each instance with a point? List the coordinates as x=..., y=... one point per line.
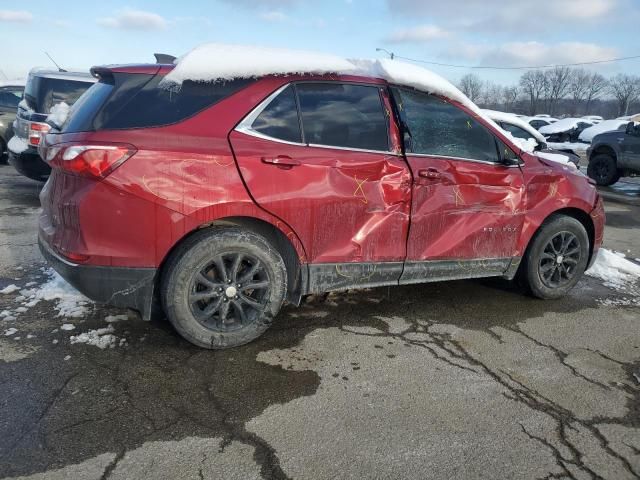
x=280, y=118
x=538, y=124
x=10, y=97
x=516, y=131
x=137, y=101
x=441, y=129
x=43, y=93
x=141, y=102
x=343, y=115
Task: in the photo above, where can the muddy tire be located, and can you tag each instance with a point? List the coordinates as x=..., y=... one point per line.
x=604, y=170
x=223, y=287
x=556, y=258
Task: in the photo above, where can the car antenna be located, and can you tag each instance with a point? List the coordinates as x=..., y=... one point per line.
x=60, y=69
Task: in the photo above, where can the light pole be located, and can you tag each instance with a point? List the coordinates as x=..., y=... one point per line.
x=391, y=54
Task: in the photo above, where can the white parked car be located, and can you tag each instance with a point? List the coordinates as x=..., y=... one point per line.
x=594, y=118
x=524, y=134
x=602, y=127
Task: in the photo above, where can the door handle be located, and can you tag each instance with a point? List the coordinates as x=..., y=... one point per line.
x=281, y=161
x=430, y=173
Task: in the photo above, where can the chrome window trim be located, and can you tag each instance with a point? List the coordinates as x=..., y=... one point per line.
x=447, y=157
x=246, y=126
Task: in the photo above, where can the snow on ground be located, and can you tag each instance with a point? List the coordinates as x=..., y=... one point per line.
x=67, y=327
x=10, y=289
x=606, y=126
x=70, y=303
x=116, y=318
x=17, y=145
x=563, y=125
x=10, y=331
x=59, y=113
x=101, y=338
x=615, y=270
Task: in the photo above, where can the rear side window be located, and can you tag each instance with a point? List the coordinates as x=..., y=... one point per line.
x=343, y=115
x=10, y=97
x=440, y=129
x=280, y=118
x=137, y=101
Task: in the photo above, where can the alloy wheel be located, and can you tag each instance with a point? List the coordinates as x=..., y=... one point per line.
x=559, y=260
x=229, y=292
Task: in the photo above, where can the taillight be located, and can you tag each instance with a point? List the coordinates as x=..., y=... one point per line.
x=36, y=131
x=96, y=161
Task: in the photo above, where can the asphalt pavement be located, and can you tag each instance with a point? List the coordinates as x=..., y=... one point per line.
x=467, y=380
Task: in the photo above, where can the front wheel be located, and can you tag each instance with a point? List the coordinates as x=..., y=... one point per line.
x=604, y=170
x=223, y=287
x=556, y=259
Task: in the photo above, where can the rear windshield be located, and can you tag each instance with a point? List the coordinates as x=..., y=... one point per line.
x=126, y=101
x=42, y=93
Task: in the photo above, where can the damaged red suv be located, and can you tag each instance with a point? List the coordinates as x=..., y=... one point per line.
x=216, y=202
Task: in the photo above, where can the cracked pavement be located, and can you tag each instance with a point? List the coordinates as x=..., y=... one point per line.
x=450, y=380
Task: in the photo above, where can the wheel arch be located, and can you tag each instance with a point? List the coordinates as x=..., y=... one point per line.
x=580, y=215
x=604, y=149
x=296, y=270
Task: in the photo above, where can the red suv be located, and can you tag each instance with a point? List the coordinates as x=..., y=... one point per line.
x=217, y=202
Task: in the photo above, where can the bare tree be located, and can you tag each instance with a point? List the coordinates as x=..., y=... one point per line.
x=534, y=86
x=626, y=90
x=471, y=86
x=510, y=97
x=596, y=86
x=578, y=87
x=558, y=82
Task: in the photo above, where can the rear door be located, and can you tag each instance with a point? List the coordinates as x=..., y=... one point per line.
x=467, y=206
x=318, y=156
x=630, y=148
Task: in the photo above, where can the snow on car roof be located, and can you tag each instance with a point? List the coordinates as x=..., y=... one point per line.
x=215, y=62
x=562, y=125
x=606, y=126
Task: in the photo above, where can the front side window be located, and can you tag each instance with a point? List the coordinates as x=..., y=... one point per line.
x=280, y=118
x=343, y=115
x=438, y=128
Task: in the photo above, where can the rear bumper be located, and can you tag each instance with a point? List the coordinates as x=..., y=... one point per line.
x=117, y=286
x=29, y=164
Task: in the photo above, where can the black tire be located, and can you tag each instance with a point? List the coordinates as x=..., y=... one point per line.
x=603, y=169
x=556, y=258
x=205, y=292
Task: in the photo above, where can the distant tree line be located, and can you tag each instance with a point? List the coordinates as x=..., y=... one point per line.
x=561, y=91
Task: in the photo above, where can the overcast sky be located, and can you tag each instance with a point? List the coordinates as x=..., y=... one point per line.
x=469, y=32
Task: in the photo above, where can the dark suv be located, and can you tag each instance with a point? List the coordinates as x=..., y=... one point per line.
x=615, y=154
x=218, y=200
x=44, y=89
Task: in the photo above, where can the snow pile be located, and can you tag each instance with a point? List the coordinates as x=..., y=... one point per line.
x=17, y=145
x=116, y=318
x=10, y=331
x=67, y=327
x=615, y=270
x=101, y=338
x=59, y=114
x=10, y=289
x=606, y=126
x=215, y=61
x=555, y=157
x=70, y=302
x=563, y=125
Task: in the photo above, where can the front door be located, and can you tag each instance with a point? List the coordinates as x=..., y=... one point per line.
x=466, y=211
x=317, y=155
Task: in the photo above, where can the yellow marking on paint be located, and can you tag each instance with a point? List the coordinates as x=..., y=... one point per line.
x=553, y=189
x=359, y=188
x=353, y=277
x=458, y=196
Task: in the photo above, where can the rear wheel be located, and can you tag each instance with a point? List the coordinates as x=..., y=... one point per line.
x=604, y=170
x=556, y=259
x=223, y=287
